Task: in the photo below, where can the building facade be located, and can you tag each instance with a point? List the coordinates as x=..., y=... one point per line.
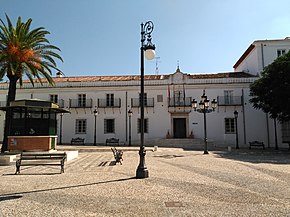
x=168, y=111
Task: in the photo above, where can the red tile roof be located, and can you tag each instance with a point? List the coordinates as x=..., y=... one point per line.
x=137, y=77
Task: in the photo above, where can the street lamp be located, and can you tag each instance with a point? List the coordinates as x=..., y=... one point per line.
x=147, y=48
x=204, y=108
x=236, y=114
x=60, y=129
x=95, y=132
x=130, y=115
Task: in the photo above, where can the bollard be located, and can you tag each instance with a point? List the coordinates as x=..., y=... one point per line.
x=155, y=148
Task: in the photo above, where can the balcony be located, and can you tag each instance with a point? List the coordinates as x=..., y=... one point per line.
x=179, y=102
x=229, y=100
x=76, y=103
x=148, y=102
x=109, y=103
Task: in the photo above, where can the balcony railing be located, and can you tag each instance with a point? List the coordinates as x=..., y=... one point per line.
x=76, y=103
x=179, y=102
x=109, y=103
x=229, y=100
x=148, y=102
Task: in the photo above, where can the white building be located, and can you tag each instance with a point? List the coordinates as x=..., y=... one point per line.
x=168, y=112
x=260, y=54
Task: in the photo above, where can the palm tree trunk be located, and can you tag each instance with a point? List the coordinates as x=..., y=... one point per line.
x=8, y=115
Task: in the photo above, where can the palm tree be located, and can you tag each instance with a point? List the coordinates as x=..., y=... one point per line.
x=24, y=52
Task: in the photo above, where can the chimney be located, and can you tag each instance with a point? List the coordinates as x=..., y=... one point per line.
x=59, y=75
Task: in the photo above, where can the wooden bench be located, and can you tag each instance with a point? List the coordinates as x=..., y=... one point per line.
x=41, y=159
x=257, y=143
x=77, y=141
x=118, y=155
x=112, y=141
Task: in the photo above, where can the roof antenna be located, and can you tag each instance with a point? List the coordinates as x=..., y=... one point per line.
x=156, y=65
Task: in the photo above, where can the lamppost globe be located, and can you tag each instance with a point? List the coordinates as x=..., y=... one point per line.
x=236, y=114
x=149, y=54
x=95, y=112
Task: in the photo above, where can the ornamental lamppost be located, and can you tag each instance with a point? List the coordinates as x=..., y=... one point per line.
x=60, y=129
x=95, y=131
x=204, y=108
x=130, y=115
x=148, y=48
x=236, y=114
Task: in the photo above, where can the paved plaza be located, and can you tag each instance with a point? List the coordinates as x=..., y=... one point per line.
x=181, y=183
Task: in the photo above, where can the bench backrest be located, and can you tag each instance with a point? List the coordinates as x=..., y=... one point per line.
x=112, y=140
x=77, y=139
x=39, y=156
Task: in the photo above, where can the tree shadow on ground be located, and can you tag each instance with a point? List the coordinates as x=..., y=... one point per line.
x=272, y=156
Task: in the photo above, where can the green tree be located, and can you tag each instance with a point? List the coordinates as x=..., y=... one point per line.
x=271, y=92
x=24, y=52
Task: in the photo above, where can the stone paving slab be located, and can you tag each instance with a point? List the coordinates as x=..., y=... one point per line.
x=180, y=183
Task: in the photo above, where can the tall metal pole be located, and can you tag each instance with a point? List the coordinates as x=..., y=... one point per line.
x=205, y=133
x=237, y=135
x=130, y=130
x=95, y=131
x=60, y=133
x=142, y=171
x=276, y=139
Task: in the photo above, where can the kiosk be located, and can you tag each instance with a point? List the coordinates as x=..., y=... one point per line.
x=33, y=125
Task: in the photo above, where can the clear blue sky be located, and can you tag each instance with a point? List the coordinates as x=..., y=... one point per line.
x=102, y=37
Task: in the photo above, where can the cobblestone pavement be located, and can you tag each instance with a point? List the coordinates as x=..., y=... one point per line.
x=180, y=183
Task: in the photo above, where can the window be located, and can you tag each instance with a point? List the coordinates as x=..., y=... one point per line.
x=82, y=100
x=286, y=132
x=109, y=126
x=228, y=97
x=54, y=98
x=230, y=125
x=145, y=99
x=110, y=100
x=145, y=125
x=179, y=98
x=281, y=52
x=81, y=126
x=159, y=98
